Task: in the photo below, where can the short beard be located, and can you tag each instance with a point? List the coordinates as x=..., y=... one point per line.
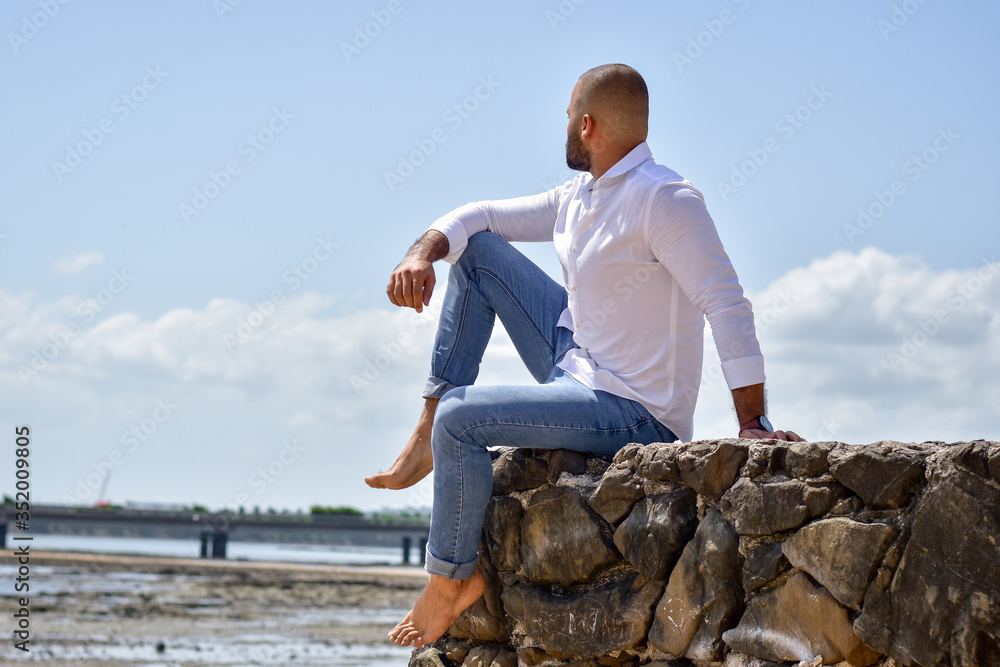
x=577, y=155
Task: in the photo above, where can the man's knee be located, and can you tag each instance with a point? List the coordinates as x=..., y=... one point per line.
x=447, y=412
x=453, y=417
x=485, y=238
x=482, y=246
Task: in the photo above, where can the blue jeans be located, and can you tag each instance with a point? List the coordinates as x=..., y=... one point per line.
x=492, y=278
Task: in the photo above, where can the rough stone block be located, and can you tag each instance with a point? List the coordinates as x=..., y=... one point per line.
x=995, y=464
x=505, y=658
x=560, y=541
x=502, y=532
x=518, y=470
x=952, y=555
x=568, y=461
x=478, y=623
x=763, y=564
x=767, y=460
x=711, y=469
x=629, y=452
x=841, y=554
x=883, y=475
x=481, y=656
x=655, y=532
x=772, y=507
x=428, y=656
x=612, y=617
x=618, y=491
x=703, y=597
x=974, y=640
x=454, y=649
x=660, y=462
x=807, y=459
x=798, y=621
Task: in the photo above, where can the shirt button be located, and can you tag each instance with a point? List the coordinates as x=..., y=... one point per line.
x=572, y=289
x=574, y=248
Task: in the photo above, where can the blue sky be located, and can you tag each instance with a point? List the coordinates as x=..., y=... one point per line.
x=279, y=122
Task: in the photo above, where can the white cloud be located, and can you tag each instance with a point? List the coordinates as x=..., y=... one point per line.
x=244, y=384
x=347, y=389
x=879, y=346
x=79, y=263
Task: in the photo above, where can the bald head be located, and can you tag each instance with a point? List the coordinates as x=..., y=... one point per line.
x=616, y=98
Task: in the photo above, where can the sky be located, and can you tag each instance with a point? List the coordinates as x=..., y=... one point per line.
x=201, y=202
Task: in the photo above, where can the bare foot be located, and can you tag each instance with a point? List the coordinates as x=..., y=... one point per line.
x=437, y=608
x=415, y=461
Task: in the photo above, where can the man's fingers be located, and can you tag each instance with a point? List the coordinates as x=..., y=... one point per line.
x=760, y=434
x=391, y=290
x=398, y=292
x=418, y=296
x=407, y=282
x=429, y=289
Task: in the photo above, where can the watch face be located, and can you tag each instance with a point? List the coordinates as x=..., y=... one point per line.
x=765, y=424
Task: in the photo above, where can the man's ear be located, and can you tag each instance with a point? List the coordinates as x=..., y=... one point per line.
x=587, y=129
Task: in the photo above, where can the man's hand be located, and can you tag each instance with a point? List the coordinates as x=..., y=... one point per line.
x=761, y=434
x=412, y=282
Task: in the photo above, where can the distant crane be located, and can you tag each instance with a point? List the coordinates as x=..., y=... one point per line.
x=104, y=487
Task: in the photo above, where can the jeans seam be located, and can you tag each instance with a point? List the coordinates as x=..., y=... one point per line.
x=461, y=509
x=458, y=331
x=615, y=429
x=517, y=302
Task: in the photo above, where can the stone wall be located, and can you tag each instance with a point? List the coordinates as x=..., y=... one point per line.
x=738, y=553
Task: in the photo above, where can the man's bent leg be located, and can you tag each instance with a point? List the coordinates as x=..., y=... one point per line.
x=561, y=413
x=491, y=278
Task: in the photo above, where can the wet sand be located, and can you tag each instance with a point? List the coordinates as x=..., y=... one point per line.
x=98, y=610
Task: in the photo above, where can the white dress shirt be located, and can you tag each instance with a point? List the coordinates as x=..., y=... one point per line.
x=643, y=267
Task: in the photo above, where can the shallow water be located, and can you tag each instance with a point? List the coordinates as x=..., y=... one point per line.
x=235, y=550
x=93, y=618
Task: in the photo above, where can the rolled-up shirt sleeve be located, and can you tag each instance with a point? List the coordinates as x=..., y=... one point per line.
x=529, y=218
x=683, y=238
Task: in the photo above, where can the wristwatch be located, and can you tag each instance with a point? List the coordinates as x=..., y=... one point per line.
x=759, y=422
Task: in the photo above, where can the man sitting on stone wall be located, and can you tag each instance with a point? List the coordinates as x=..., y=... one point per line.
x=617, y=352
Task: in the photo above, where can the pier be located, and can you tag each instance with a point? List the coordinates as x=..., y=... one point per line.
x=214, y=529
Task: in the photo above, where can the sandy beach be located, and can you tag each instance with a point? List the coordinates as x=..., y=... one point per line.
x=97, y=610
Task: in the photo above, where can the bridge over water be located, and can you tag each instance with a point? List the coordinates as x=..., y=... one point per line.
x=215, y=528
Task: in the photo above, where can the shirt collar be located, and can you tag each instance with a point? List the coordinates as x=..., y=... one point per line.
x=632, y=159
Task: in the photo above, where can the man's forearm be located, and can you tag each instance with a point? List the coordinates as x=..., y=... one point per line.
x=430, y=247
x=749, y=402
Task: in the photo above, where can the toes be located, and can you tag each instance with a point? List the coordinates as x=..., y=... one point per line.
x=410, y=636
x=375, y=481
x=401, y=628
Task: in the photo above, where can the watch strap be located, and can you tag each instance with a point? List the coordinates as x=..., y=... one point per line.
x=760, y=422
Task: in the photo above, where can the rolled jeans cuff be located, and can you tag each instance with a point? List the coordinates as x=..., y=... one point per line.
x=446, y=569
x=436, y=387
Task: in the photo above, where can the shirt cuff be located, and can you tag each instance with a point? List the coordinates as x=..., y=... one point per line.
x=457, y=237
x=744, y=371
